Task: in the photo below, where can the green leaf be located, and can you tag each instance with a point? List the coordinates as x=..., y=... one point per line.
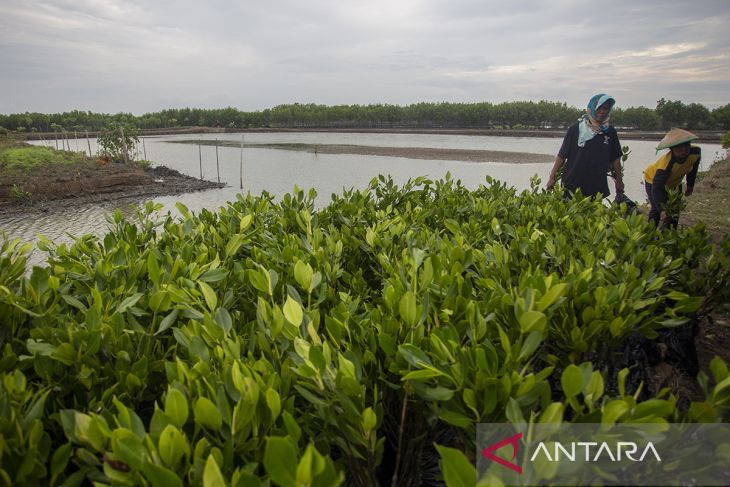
x=176, y=407
x=40, y=348
x=293, y=311
x=719, y=369
x=369, y=419
x=172, y=446
x=303, y=273
x=260, y=280
x=437, y=393
x=552, y=295
x=245, y=222
x=160, y=301
x=129, y=448
x=183, y=210
x=159, y=476
x=456, y=419
x=655, y=408
x=212, y=476
x=530, y=344
x=553, y=414
x=234, y=244
x=280, y=461
x=71, y=301
x=621, y=228
x=689, y=305
x=59, y=460
x=408, y=308
x=613, y=410
x=214, y=275
x=153, y=268
x=414, y=355
x=273, y=401
x=571, y=381
x=532, y=321
x=210, y=297
x=513, y=411
x=456, y=468
x=223, y=318
x=129, y=302
x=167, y=321
x=291, y=425
x=422, y=374
x=207, y=414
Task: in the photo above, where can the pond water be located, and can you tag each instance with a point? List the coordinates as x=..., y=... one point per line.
x=277, y=171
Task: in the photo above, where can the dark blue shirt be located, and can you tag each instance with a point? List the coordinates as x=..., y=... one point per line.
x=586, y=167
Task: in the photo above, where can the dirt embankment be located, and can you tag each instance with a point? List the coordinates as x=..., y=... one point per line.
x=91, y=181
x=710, y=201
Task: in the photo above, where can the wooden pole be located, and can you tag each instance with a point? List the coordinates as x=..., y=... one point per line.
x=200, y=159
x=68, y=143
x=124, y=146
x=76, y=140
x=55, y=139
x=144, y=148
x=217, y=165
x=241, y=161
x=88, y=142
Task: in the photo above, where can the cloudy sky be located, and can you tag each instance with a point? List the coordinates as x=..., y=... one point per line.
x=134, y=56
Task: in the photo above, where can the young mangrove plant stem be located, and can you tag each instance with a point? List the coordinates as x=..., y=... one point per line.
x=217, y=165
x=401, y=430
x=200, y=159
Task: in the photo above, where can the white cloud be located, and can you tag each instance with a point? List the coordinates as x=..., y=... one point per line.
x=113, y=55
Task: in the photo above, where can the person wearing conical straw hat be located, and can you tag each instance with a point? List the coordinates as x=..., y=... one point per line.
x=681, y=161
x=590, y=149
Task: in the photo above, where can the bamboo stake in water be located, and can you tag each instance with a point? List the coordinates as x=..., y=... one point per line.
x=55, y=139
x=124, y=146
x=144, y=149
x=88, y=142
x=241, y=161
x=200, y=158
x=217, y=165
x=76, y=140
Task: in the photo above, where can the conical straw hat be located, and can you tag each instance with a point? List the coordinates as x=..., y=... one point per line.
x=675, y=137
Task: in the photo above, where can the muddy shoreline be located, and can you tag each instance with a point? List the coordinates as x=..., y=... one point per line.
x=52, y=187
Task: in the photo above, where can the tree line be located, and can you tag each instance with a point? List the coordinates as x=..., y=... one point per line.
x=509, y=115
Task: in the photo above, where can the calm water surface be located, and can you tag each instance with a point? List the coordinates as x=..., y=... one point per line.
x=277, y=171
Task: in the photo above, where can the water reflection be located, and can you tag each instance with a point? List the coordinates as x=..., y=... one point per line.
x=278, y=171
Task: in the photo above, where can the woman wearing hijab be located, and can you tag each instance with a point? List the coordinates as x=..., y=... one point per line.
x=590, y=148
x=681, y=161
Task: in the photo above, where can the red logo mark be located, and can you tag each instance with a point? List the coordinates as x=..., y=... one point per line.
x=512, y=440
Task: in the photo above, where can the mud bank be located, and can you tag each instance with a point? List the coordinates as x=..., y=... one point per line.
x=463, y=155
x=48, y=187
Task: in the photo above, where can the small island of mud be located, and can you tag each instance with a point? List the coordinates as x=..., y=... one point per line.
x=90, y=181
x=428, y=153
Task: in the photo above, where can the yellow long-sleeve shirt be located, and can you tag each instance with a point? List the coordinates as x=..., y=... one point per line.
x=671, y=172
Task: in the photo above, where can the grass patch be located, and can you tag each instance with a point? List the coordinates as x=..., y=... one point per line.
x=27, y=157
x=710, y=202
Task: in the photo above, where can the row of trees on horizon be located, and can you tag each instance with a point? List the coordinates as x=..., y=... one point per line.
x=513, y=115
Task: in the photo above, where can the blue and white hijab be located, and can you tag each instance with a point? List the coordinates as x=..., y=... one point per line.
x=588, y=127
